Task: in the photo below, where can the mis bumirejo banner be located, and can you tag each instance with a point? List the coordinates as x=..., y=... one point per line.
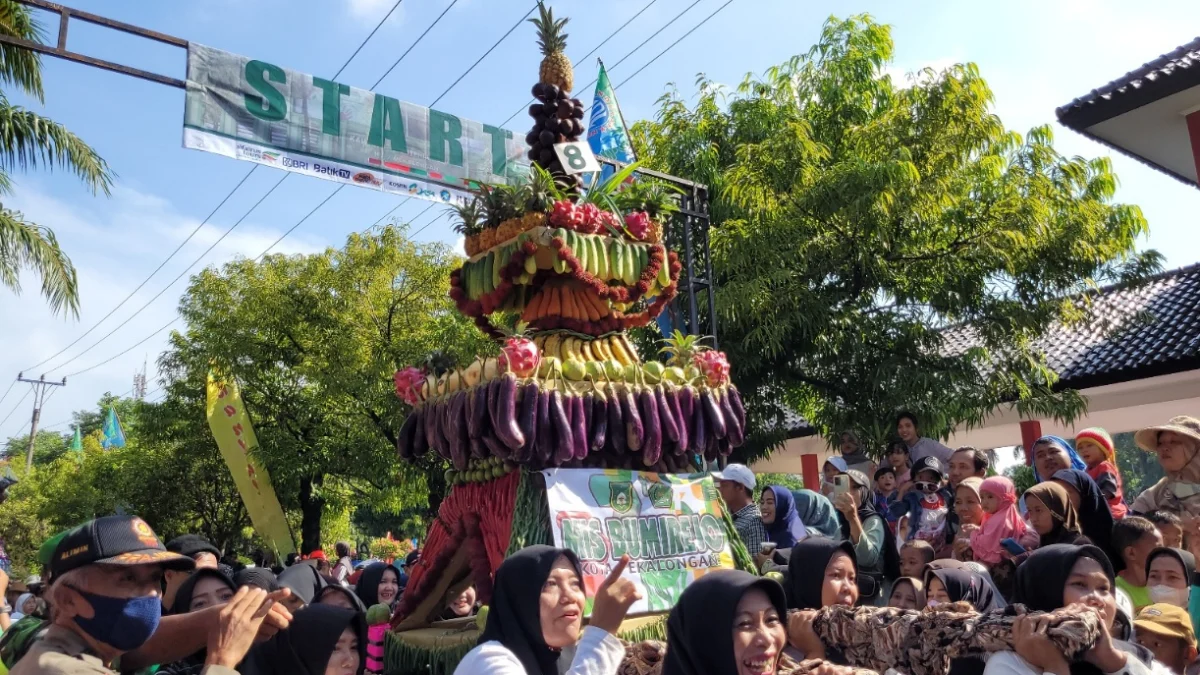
x=257, y=111
x=670, y=525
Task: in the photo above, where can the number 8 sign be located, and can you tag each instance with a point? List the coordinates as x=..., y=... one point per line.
x=576, y=157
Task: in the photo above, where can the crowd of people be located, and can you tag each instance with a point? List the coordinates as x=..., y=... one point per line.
x=913, y=543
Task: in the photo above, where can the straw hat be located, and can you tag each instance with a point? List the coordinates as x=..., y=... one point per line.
x=1147, y=439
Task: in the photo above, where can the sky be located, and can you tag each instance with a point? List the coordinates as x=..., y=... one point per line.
x=1035, y=55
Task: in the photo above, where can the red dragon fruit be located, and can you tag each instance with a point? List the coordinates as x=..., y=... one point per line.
x=609, y=222
x=408, y=384
x=521, y=356
x=563, y=213
x=638, y=224
x=714, y=366
x=590, y=215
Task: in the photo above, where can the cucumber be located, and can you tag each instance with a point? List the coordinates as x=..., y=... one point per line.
x=489, y=265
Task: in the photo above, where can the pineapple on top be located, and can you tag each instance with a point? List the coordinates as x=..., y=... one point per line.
x=556, y=67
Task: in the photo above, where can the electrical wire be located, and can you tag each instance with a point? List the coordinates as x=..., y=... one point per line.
x=14, y=408
x=584, y=57
x=203, y=222
x=293, y=227
x=672, y=45
x=6, y=391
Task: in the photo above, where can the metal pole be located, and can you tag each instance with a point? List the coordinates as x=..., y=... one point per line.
x=39, y=398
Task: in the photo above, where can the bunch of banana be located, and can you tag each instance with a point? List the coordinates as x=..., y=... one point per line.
x=569, y=347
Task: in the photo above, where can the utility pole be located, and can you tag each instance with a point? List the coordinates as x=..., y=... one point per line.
x=40, y=387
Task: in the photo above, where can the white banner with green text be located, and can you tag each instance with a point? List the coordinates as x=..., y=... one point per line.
x=671, y=526
x=260, y=112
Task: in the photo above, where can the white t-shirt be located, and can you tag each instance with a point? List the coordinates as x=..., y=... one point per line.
x=598, y=653
x=1010, y=663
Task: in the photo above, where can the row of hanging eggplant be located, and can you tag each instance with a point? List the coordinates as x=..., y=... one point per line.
x=543, y=424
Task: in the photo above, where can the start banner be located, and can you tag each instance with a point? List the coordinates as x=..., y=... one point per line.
x=670, y=525
x=257, y=111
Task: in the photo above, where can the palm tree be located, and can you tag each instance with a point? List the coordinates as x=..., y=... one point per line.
x=27, y=140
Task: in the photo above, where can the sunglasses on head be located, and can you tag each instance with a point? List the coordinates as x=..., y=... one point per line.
x=925, y=486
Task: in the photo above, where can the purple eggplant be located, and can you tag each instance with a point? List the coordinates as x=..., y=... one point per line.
x=429, y=412
x=564, y=445
x=579, y=426
x=496, y=446
x=456, y=431
x=598, y=433
x=493, y=397
x=712, y=414
x=404, y=441
x=478, y=412
x=635, y=433
x=724, y=446
x=545, y=433
x=505, y=421
x=710, y=448
x=420, y=439
x=681, y=422
x=616, y=426
x=698, y=441
x=479, y=450
x=733, y=428
x=739, y=410
x=527, y=420
x=670, y=429
x=652, y=444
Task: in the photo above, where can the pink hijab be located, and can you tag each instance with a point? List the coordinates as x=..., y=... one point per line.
x=1006, y=522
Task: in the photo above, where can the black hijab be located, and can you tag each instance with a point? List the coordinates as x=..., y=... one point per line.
x=303, y=580
x=367, y=587
x=183, y=597
x=257, y=577
x=514, y=617
x=1185, y=558
x=355, y=601
x=806, y=570
x=308, y=643
x=1095, y=518
x=700, y=626
x=966, y=585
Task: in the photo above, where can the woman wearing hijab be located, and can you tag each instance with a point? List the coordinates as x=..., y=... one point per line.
x=907, y=593
x=536, y=612
x=205, y=588
x=1052, y=515
x=866, y=528
x=727, y=622
x=379, y=583
x=340, y=596
x=26, y=604
x=1171, y=579
x=257, y=577
x=304, y=581
x=1052, y=454
x=821, y=573
x=962, y=585
x=1095, y=518
x=1054, y=577
x=968, y=508
x=817, y=513
x=779, y=516
x=321, y=640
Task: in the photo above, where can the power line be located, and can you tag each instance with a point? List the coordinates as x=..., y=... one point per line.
x=203, y=222
x=672, y=45
x=293, y=227
x=6, y=391
x=14, y=409
x=594, y=49
x=485, y=55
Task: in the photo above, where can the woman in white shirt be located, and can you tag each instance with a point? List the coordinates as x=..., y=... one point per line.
x=1054, y=577
x=536, y=615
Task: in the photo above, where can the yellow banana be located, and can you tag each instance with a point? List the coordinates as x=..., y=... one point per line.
x=600, y=349
x=618, y=351
x=588, y=353
x=553, y=345
x=629, y=348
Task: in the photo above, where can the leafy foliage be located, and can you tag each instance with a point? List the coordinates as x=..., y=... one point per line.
x=854, y=218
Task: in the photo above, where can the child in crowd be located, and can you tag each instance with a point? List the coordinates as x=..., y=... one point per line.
x=1170, y=526
x=907, y=593
x=1133, y=538
x=923, y=511
x=900, y=459
x=914, y=556
x=833, y=467
x=885, y=494
x=1096, y=448
x=998, y=496
x=1167, y=632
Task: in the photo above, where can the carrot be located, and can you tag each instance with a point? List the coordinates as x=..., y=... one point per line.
x=576, y=308
x=555, y=308
x=589, y=306
x=531, y=309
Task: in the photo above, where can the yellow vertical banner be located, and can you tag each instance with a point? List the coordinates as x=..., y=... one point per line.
x=235, y=438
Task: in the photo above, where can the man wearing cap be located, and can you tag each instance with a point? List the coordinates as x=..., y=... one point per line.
x=736, y=485
x=1177, y=445
x=193, y=546
x=1166, y=630
x=106, y=575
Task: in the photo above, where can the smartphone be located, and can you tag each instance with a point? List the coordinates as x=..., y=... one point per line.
x=841, y=483
x=1012, y=546
x=767, y=547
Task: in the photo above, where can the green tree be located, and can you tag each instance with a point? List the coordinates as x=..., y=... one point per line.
x=313, y=342
x=854, y=218
x=49, y=446
x=1139, y=469
x=27, y=140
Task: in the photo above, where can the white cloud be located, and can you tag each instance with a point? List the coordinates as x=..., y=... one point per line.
x=372, y=9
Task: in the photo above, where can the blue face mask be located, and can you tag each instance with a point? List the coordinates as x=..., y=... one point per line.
x=122, y=623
